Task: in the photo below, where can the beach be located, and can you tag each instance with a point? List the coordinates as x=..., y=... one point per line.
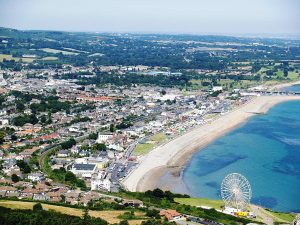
x=173, y=155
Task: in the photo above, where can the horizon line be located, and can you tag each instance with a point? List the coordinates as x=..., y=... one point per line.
x=294, y=36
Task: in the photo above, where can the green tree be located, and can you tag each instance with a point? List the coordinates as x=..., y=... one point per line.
x=37, y=207
x=2, y=136
x=123, y=222
x=15, y=178
x=112, y=128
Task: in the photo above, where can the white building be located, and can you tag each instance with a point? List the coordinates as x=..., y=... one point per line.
x=103, y=137
x=99, y=183
x=84, y=170
x=36, y=177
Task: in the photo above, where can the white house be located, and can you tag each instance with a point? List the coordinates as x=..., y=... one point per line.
x=36, y=176
x=103, y=137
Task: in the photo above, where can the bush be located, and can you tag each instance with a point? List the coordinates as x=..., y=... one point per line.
x=38, y=207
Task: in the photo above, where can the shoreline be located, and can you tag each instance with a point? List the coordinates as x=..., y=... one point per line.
x=172, y=157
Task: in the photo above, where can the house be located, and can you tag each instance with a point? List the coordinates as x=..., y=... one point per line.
x=102, y=138
x=170, y=214
x=40, y=197
x=63, y=153
x=7, y=191
x=54, y=196
x=100, y=184
x=36, y=176
x=84, y=170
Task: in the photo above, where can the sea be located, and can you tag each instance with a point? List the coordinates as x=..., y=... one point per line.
x=265, y=149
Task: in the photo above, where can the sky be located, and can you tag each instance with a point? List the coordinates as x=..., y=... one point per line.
x=155, y=16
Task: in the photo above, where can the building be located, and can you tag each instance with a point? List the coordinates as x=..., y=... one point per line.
x=36, y=177
x=170, y=214
x=84, y=170
x=103, y=137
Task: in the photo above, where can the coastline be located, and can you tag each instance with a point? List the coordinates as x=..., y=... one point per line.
x=173, y=156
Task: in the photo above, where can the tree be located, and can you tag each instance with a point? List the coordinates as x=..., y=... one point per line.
x=2, y=136
x=15, y=178
x=70, y=177
x=112, y=128
x=20, y=106
x=24, y=167
x=123, y=222
x=43, y=119
x=37, y=207
x=153, y=213
x=99, y=147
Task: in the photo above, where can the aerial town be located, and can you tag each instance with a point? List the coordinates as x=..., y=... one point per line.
x=79, y=129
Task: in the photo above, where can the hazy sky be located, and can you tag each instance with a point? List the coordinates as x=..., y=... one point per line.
x=150, y=16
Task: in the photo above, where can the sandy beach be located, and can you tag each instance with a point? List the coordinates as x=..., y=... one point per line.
x=176, y=153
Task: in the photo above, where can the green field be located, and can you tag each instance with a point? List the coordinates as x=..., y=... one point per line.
x=217, y=204
x=155, y=140
x=55, y=51
x=143, y=149
x=10, y=57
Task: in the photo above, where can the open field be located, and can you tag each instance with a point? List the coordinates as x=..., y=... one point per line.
x=109, y=216
x=217, y=204
x=10, y=57
x=143, y=149
x=55, y=51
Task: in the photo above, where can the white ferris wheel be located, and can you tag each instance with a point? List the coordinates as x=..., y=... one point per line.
x=236, y=191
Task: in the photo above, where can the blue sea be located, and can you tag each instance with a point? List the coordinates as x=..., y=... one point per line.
x=266, y=150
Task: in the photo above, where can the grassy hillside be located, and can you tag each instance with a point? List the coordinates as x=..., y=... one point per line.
x=112, y=216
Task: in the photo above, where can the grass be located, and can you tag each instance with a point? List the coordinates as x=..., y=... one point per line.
x=109, y=216
x=217, y=204
x=10, y=57
x=160, y=137
x=55, y=51
x=143, y=149
x=280, y=216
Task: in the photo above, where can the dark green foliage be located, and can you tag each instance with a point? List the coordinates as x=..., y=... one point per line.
x=37, y=207
x=68, y=144
x=50, y=104
x=2, y=136
x=21, y=120
x=24, y=167
x=123, y=222
x=15, y=178
x=93, y=136
x=99, y=147
x=39, y=217
x=153, y=213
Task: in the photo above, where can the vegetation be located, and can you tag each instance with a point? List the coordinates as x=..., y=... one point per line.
x=217, y=204
x=38, y=216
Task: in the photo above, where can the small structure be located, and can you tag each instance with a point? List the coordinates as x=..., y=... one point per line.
x=133, y=203
x=170, y=215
